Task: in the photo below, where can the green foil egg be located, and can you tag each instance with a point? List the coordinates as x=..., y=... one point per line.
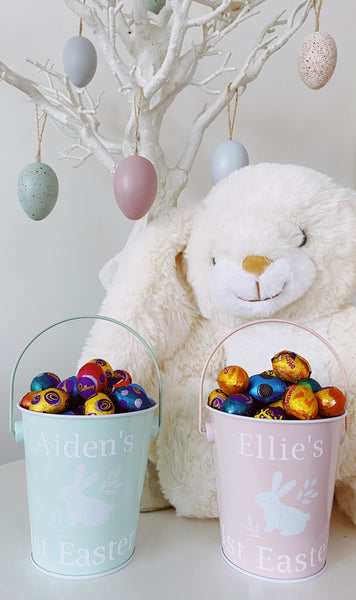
x=37, y=190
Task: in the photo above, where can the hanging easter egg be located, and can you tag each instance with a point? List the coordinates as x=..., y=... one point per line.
x=135, y=186
x=155, y=6
x=79, y=60
x=227, y=157
x=37, y=190
x=317, y=59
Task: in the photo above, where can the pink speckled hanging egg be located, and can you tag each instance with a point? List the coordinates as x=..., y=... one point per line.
x=317, y=59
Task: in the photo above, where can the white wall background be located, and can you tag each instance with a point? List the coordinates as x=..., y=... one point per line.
x=49, y=268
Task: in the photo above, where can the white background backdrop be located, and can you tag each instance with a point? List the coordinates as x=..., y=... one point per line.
x=49, y=269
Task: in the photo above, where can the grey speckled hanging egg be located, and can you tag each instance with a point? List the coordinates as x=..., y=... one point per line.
x=37, y=190
x=79, y=60
x=317, y=59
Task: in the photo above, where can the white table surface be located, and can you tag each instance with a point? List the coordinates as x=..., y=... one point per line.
x=175, y=559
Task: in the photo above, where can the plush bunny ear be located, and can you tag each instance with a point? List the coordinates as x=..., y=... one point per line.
x=147, y=290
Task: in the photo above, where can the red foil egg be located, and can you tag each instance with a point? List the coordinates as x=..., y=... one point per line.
x=91, y=379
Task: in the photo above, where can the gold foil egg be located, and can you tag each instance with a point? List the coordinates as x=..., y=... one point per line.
x=232, y=380
x=300, y=402
x=290, y=366
x=51, y=400
x=317, y=59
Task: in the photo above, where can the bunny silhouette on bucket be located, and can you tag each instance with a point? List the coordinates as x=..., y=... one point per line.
x=287, y=519
x=89, y=511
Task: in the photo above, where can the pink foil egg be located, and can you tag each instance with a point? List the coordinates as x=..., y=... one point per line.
x=135, y=186
x=317, y=59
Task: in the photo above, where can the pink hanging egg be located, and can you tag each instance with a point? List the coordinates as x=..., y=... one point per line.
x=135, y=186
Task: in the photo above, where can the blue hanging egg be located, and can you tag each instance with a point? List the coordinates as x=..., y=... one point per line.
x=79, y=60
x=226, y=158
x=155, y=6
x=37, y=190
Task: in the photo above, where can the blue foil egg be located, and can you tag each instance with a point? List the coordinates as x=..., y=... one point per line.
x=131, y=397
x=37, y=190
x=239, y=404
x=69, y=385
x=266, y=388
x=79, y=60
x=43, y=381
x=226, y=158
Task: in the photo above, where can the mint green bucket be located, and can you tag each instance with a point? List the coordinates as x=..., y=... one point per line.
x=84, y=482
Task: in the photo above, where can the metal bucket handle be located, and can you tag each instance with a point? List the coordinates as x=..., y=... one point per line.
x=249, y=324
x=100, y=317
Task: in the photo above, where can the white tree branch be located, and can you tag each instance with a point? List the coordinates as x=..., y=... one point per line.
x=249, y=72
x=163, y=59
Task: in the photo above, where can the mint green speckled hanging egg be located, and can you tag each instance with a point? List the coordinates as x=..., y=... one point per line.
x=155, y=6
x=37, y=190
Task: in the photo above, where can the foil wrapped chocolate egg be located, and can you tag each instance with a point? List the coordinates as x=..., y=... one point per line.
x=131, y=398
x=69, y=386
x=99, y=404
x=266, y=388
x=233, y=380
x=43, y=381
x=290, y=366
x=107, y=368
x=239, y=404
x=272, y=413
x=91, y=379
x=310, y=383
x=216, y=398
x=300, y=402
x=51, y=400
x=121, y=378
x=331, y=401
x=26, y=400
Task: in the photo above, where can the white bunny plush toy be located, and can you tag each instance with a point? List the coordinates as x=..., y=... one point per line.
x=270, y=240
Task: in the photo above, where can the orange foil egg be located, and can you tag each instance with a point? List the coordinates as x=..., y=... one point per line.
x=290, y=366
x=331, y=401
x=300, y=402
x=232, y=380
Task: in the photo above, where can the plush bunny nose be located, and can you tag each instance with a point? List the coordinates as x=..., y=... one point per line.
x=256, y=264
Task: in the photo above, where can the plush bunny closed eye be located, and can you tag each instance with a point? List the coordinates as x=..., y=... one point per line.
x=270, y=240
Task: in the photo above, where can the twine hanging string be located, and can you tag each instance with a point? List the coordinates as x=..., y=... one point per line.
x=231, y=121
x=137, y=108
x=39, y=133
x=317, y=10
x=81, y=24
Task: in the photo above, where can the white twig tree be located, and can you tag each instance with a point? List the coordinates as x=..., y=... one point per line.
x=158, y=54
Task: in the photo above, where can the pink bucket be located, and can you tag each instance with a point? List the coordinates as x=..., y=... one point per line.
x=275, y=484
